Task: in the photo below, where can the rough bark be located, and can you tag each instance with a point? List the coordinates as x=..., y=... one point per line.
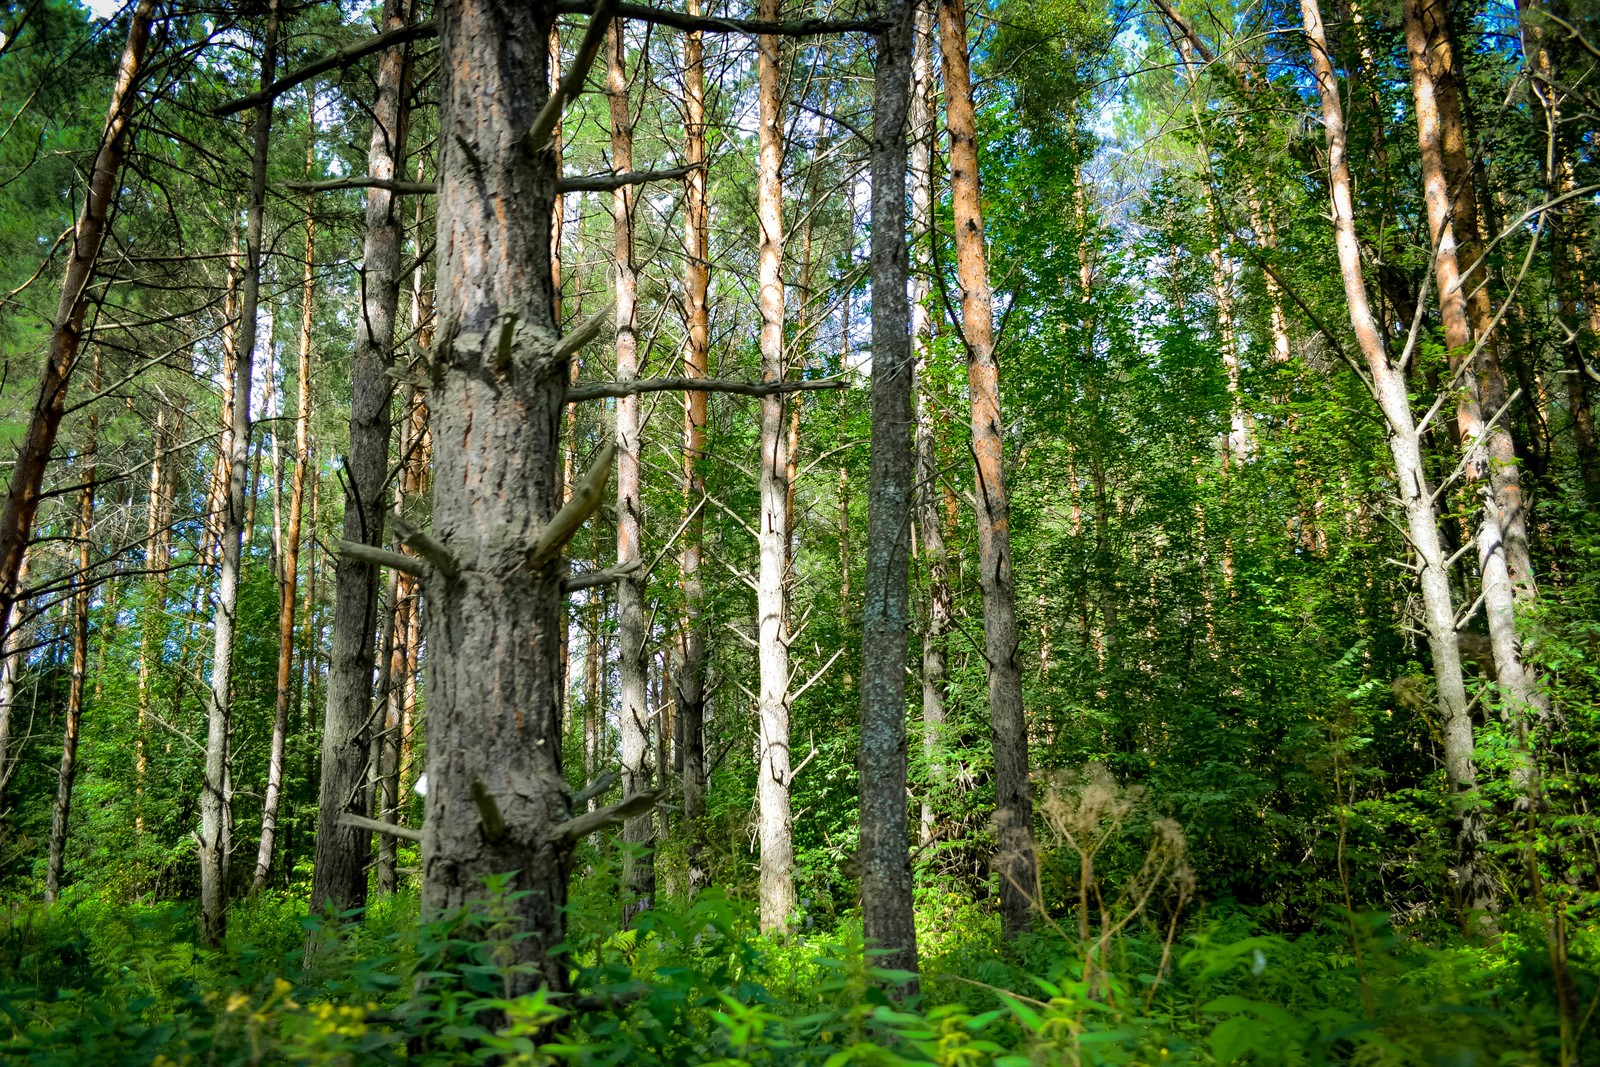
x=930, y=525
x=773, y=766
x=1015, y=861
x=339, y=880
x=1416, y=496
x=78, y=609
x=289, y=549
x=638, y=867
x=1465, y=307
x=886, y=905
x=66, y=329
x=690, y=676
x=496, y=792
x=215, y=844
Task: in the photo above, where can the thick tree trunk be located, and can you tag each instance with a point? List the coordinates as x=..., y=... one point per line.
x=1466, y=309
x=496, y=792
x=690, y=676
x=79, y=611
x=638, y=866
x=930, y=524
x=289, y=548
x=1015, y=862
x=1416, y=496
x=339, y=881
x=886, y=906
x=215, y=843
x=773, y=766
x=66, y=330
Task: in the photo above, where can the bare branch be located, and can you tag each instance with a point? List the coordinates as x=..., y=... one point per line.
x=382, y=557
x=363, y=182
x=603, y=390
x=424, y=544
x=591, y=579
x=585, y=500
x=581, y=826
x=361, y=822
x=603, y=183
x=342, y=58
x=750, y=27
x=544, y=124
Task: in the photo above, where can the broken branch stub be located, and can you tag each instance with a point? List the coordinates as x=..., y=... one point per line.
x=586, y=497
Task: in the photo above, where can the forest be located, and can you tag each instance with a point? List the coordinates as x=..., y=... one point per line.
x=969, y=532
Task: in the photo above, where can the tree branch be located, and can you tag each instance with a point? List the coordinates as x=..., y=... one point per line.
x=362, y=182
x=603, y=390
x=751, y=27
x=424, y=544
x=361, y=822
x=579, y=827
x=602, y=183
x=382, y=557
x=342, y=58
x=585, y=499
x=544, y=124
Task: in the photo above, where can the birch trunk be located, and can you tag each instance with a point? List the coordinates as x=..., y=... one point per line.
x=886, y=906
x=157, y=557
x=1013, y=803
x=1416, y=496
x=773, y=766
x=215, y=844
x=339, y=880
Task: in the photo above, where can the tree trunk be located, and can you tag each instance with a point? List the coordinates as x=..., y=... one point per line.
x=496, y=792
x=78, y=605
x=930, y=524
x=339, y=881
x=1013, y=802
x=289, y=550
x=215, y=843
x=690, y=676
x=66, y=330
x=638, y=866
x=1464, y=304
x=157, y=558
x=1416, y=496
x=772, y=771
x=886, y=906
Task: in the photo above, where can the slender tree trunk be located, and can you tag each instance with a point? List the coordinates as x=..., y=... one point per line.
x=886, y=905
x=638, y=866
x=79, y=612
x=1416, y=496
x=10, y=670
x=66, y=330
x=289, y=550
x=772, y=771
x=1013, y=802
x=496, y=791
x=339, y=881
x=157, y=557
x=1464, y=303
x=215, y=843
x=690, y=676
x=923, y=130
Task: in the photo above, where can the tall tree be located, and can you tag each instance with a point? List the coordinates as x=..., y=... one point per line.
x=1013, y=802
x=886, y=906
x=289, y=552
x=1473, y=346
x=632, y=625
x=690, y=678
x=773, y=765
x=215, y=843
x=78, y=609
x=339, y=881
x=66, y=329
x=1388, y=385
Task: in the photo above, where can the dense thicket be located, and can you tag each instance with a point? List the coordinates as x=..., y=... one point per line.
x=1102, y=563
